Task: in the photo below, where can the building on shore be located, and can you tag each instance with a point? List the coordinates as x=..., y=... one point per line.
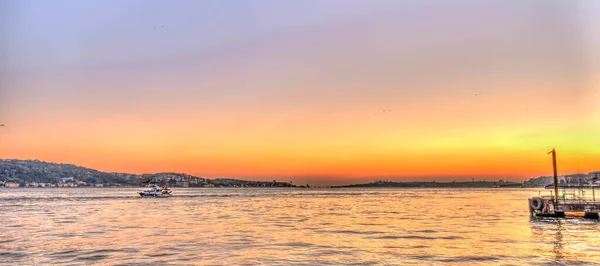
x=541, y=181
x=68, y=179
x=12, y=184
x=594, y=176
x=577, y=179
x=182, y=184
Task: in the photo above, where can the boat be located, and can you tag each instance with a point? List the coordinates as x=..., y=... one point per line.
x=575, y=201
x=155, y=192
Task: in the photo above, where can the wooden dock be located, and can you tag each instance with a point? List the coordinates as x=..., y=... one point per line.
x=574, y=201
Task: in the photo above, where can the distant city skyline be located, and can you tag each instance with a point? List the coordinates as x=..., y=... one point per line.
x=337, y=92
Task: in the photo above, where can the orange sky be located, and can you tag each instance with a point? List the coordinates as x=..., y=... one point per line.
x=312, y=92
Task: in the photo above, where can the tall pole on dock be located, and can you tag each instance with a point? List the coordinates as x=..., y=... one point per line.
x=555, y=176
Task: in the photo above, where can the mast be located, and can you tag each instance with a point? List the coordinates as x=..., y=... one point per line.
x=555, y=176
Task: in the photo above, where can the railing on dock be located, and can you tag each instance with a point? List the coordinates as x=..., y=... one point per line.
x=578, y=199
x=580, y=193
x=589, y=194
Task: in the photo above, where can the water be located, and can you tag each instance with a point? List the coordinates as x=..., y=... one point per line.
x=287, y=226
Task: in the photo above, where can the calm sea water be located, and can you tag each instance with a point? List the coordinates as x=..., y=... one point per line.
x=287, y=226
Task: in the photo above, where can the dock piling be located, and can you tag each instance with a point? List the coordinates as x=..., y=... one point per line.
x=555, y=176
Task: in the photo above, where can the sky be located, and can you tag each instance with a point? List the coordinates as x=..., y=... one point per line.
x=319, y=92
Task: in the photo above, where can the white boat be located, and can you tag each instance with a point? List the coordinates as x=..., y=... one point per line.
x=155, y=192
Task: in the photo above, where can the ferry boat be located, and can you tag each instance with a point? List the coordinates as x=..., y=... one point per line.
x=155, y=192
x=575, y=201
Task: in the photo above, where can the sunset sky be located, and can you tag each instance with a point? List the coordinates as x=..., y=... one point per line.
x=324, y=92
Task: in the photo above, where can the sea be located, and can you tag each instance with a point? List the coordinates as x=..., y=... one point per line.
x=287, y=226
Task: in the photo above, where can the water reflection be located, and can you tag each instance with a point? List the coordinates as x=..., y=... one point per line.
x=558, y=241
x=566, y=241
x=287, y=226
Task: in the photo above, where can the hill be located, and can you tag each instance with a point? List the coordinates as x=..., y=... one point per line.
x=35, y=173
x=433, y=184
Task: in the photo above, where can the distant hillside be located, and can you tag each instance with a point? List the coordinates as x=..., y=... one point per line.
x=43, y=172
x=475, y=184
x=36, y=173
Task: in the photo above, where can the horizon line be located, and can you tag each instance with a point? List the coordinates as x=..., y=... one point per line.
x=325, y=178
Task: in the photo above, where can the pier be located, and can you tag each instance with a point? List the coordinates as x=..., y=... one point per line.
x=574, y=201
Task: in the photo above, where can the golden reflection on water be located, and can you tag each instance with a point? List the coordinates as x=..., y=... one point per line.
x=288, y=226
